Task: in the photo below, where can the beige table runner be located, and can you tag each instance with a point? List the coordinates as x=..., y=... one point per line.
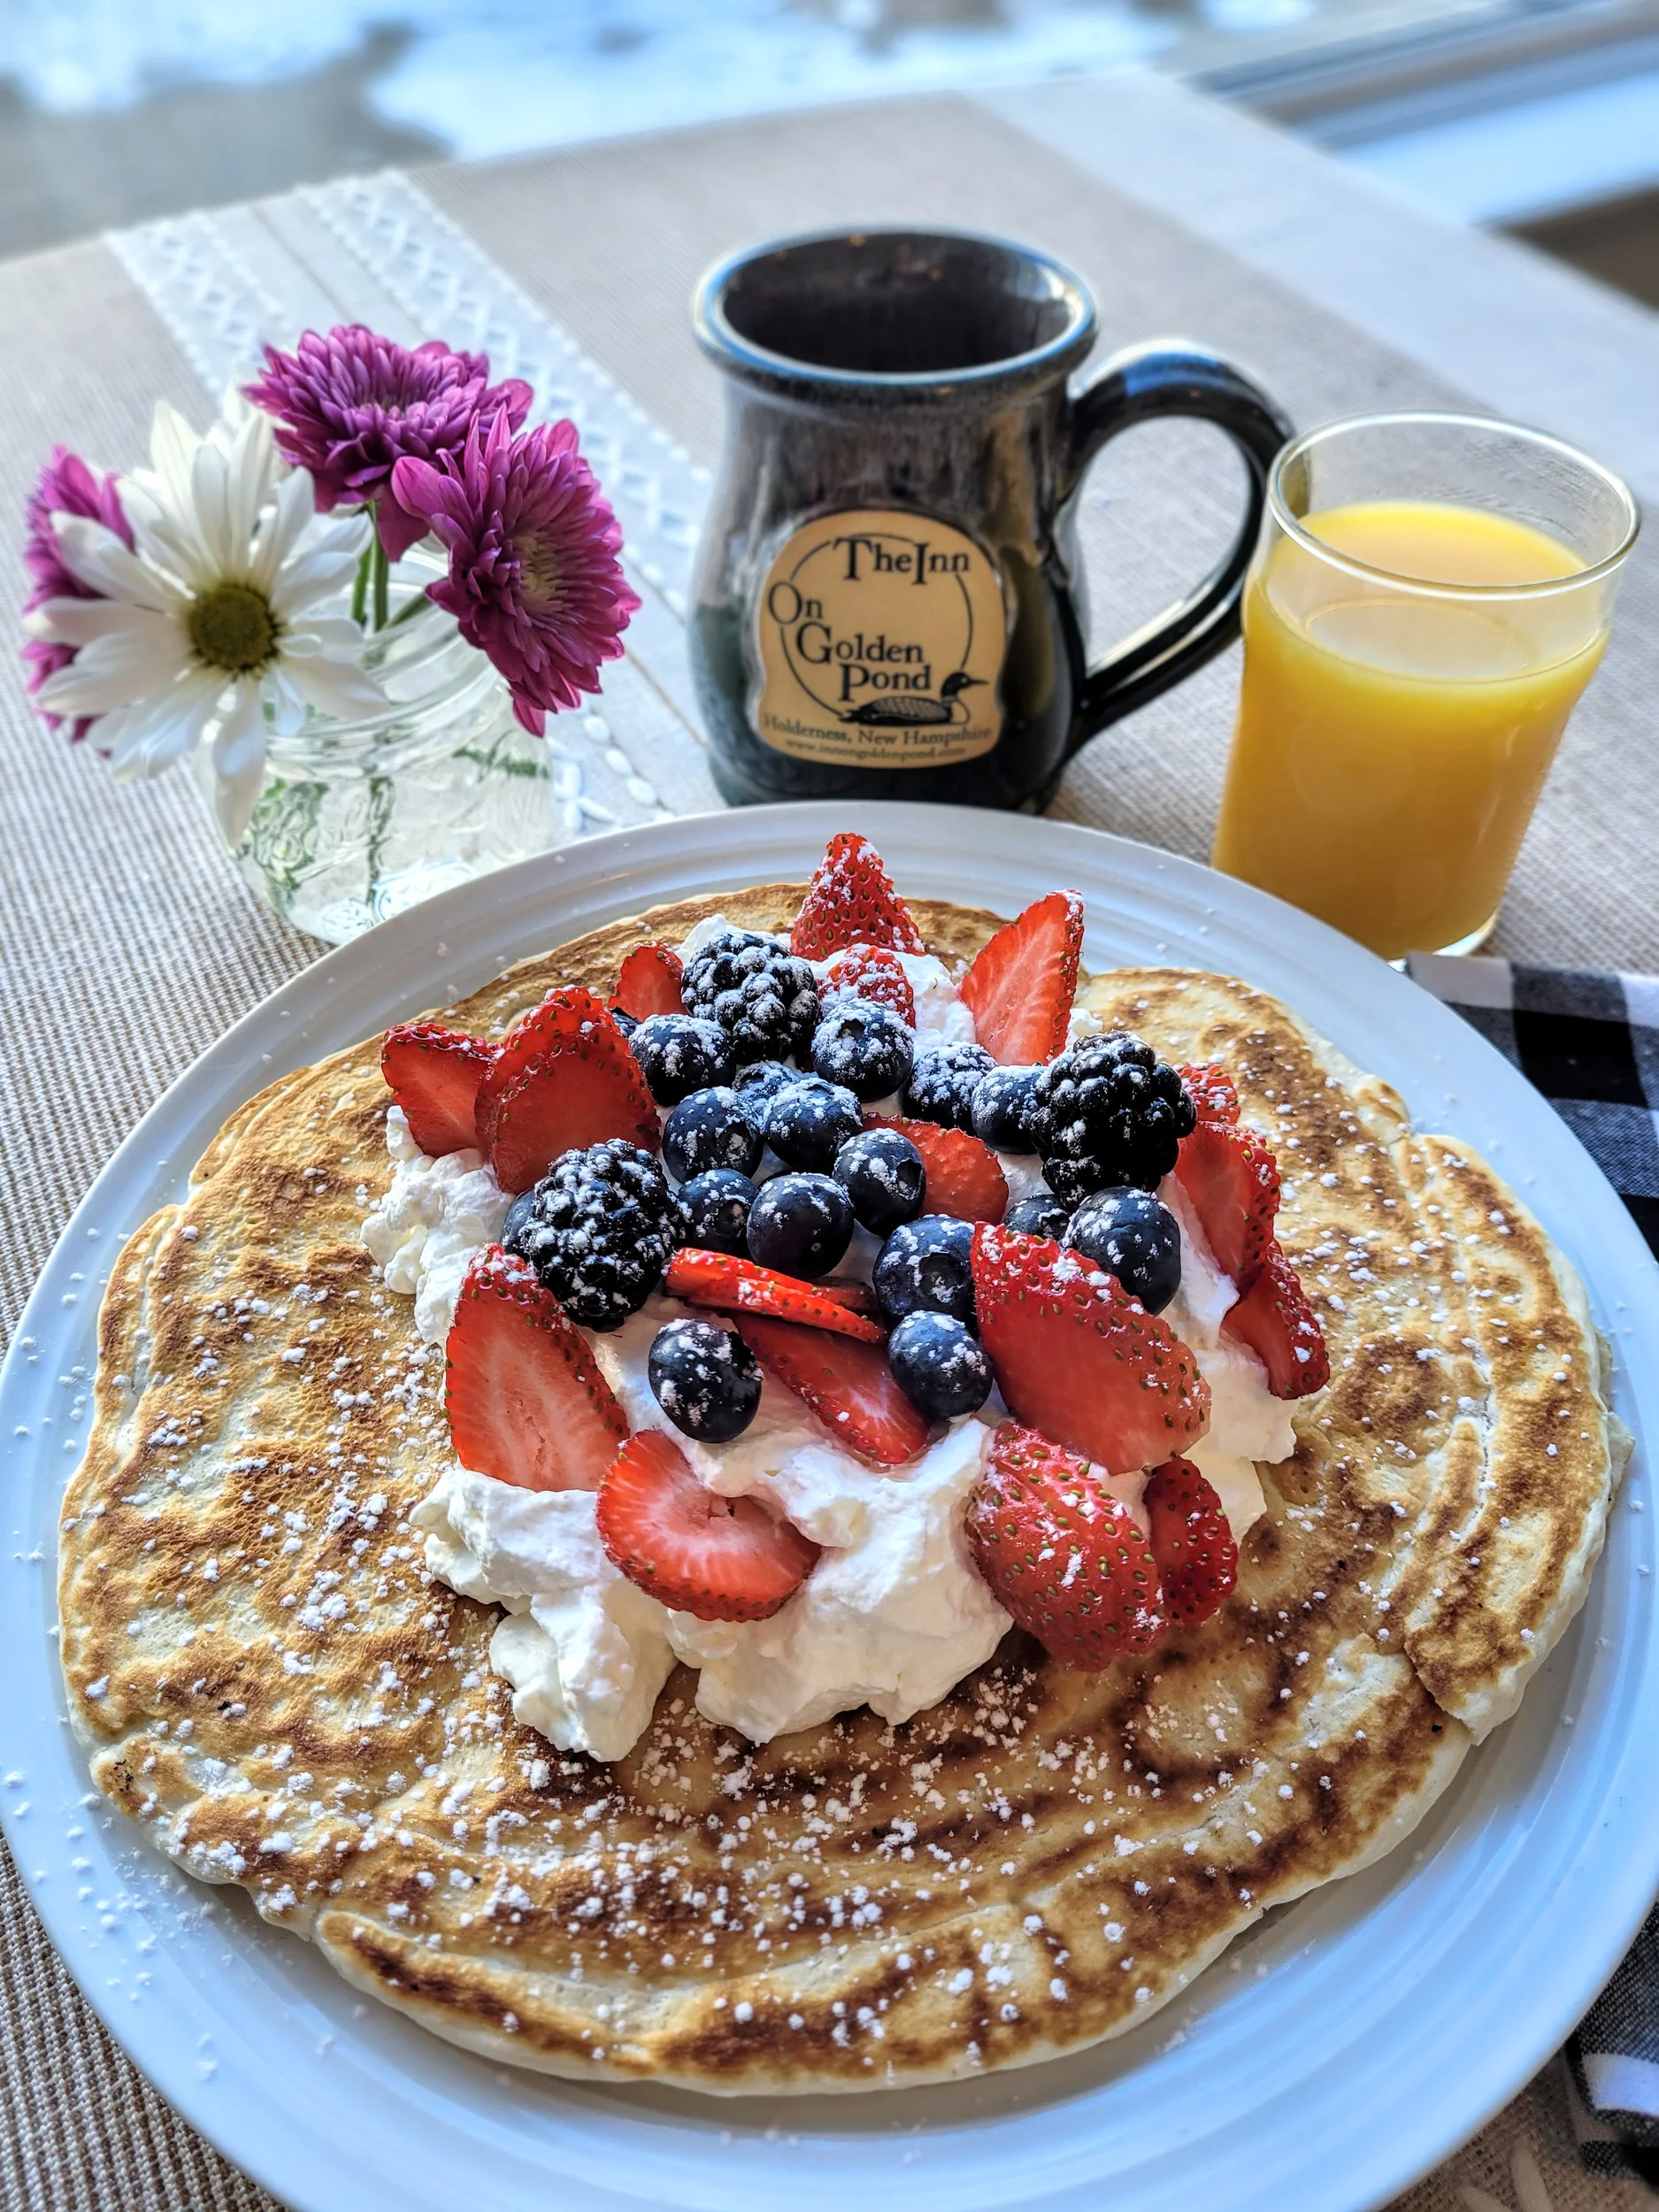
x=128, y=944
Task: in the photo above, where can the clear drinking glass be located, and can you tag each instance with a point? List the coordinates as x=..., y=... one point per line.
x=1430, y=597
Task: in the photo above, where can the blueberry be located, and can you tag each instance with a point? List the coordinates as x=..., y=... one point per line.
x=716, y=1205
x=881, y=1172
x=942, y=1084
x=864, y=1048
x=678, y=1054
x=927, y=1263
x=518, y=1214
x=808, y=1120
x=705, y=1378
x=1042, y=1215
x=710, y=1129
x=756, y=1084
x=1127, y=1232
x=801, y=1224
x=1002, y=1099
x=625, y=1022
x=939, y=1364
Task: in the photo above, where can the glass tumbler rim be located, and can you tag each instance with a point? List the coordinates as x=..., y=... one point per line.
x=1426, y=587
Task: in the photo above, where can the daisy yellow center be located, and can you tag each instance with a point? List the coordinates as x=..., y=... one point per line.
x=232, y=627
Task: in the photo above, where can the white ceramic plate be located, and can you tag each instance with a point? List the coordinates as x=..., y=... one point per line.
x=1336, y=2052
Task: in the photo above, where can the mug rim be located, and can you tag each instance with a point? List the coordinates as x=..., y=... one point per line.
x=729, y=349
x=1431, y=588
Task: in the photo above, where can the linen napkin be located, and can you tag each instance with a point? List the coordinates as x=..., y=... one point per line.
x=1590, y=1043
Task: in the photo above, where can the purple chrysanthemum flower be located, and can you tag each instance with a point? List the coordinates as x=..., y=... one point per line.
x=534, y=577
x=65, y=485
x=350, y=406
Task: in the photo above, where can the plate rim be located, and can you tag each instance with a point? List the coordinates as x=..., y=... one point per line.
x=605, y=861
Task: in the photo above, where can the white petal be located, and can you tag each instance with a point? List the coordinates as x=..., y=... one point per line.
x=172, y=447
x=240, y=737
x=333, y=688
x=80, y=689
x=287, y=709
x=96, y=557
x=331, y=635
x=148, y=654
x=282, y=529
x=312, y=580
x=210, y=487
x=78, y=621
x=151, y=737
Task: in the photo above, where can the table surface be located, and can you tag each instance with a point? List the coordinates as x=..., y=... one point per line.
x=128, y=944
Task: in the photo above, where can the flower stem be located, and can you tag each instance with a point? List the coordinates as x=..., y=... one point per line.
x=381, y=571
x=360, y=588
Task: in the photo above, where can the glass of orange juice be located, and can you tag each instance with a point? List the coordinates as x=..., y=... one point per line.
x=1430, y=597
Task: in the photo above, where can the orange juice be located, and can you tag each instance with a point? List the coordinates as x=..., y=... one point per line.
x=1391, y=742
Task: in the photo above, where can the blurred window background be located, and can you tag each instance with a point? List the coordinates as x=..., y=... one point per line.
x=1539, y=116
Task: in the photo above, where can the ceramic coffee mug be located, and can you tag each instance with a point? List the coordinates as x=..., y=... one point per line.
x=888, y=602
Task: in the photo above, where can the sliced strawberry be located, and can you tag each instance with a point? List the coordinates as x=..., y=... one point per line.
x=1020, y=987
x=648, y=982
x=850, y=901
x=873, y=973
x=1061, y=1554
x=526, y=1401
x=849, y=1292
x=1233, y=1181
x=1274, y=1318
x=735, y=1286
x=564, y=1078
x=1212, y=1090
x=723, y=1559
x=434, y=1074
x=1198, y=1561
x=963, y=1176
x=1076, y=1356
x=848, y=1386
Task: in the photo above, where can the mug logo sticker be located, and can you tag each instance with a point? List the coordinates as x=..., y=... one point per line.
x=881, y=634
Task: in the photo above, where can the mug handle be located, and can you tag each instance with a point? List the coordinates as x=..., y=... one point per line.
x=1138, y=385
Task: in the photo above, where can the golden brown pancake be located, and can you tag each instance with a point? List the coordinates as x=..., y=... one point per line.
x=266, y=1679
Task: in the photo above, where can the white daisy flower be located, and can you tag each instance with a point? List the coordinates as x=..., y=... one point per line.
x=213, y=624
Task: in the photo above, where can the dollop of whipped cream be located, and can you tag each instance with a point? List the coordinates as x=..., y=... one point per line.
x=894, y=1614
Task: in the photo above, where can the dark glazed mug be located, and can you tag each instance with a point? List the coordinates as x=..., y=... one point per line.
x=887, y=597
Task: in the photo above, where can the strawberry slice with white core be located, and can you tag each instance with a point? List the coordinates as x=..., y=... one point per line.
x=434, y=1074
x=526, y=1402
x=734, y=1286
x=1273, y=1318
x=846, y=1385
x=1020, y=986
x=851, y=900
x=1077, y=1357
x=1232, y=1181
x=648, y=982
x=1061, y=1553
x=563, y=1079
x=723, y=1559
x=1198, y=1561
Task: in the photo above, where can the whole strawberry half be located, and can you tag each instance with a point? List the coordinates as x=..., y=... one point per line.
x=1061, y=1553
x=648, y=982
x=846, y=1385
x=1077, y=1357
x=1231, y=1179
x=563, y=1078
x=873, y=973
x=1274, y=1318
x=850, y=901
x=1212, y=1092
x=964, y=1177
x=735, y=1286
x=723, y=1559
x=526, y=1401
x=1020, y=987
x=1197, y=1559
x=434, y=1074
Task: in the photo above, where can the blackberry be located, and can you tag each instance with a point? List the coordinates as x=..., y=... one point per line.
x=941, y=1085
x=678, y=1054
x=764, y=999
x=865, y=1048
x=1107, y=1113
x=603, y=1226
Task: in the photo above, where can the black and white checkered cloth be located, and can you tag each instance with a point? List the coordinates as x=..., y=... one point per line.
x=1590, y=1043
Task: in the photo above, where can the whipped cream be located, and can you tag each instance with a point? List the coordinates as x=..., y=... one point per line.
x=893, y=1615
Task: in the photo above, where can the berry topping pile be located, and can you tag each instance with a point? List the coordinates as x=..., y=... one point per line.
x=752, y=1073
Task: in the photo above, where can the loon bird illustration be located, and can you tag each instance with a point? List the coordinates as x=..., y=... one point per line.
x=949, y=706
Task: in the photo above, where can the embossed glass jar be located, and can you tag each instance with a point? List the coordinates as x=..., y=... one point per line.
x=359, y=819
